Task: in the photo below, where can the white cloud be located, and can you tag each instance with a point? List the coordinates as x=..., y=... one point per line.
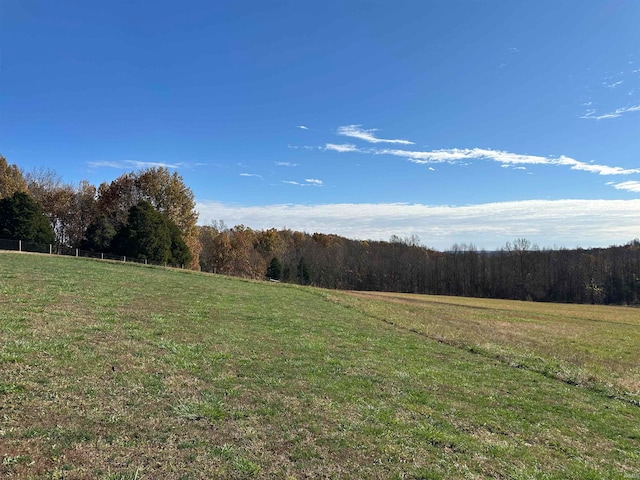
x=355, y=131
x=250, y=175
x=341, y=148
x=302, y=127
x=107, y=164
x=304, y=147
x=548, y=223
x=309, y=182
x=591, y=114
x=631, y=186
x=456, y=155
x=127, y=164
x=594, y=168
x=285, y=164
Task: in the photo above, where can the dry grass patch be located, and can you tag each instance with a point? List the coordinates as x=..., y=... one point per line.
x=581, y=344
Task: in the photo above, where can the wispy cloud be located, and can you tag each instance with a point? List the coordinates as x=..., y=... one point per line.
x=309, y=182
x=562, y=223
x=126, y=164
x=631, y=186
x=250, y=175
x=592, y=114
x=285, y=164
x=302, y=127
x=304, y=147
x=455, y=155
x=342, y=147
x=354, y=131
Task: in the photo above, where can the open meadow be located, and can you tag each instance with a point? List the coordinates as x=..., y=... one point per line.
x=122, y=371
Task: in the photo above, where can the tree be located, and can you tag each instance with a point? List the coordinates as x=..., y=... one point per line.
x=11, y=179
x=304, y=277
x=244, y=260
x=115, y=199
x=216, y=248
x=46, y=187
x=145, y=236
x=180, y=253
x=164, y=191
x=83, y=212
x=99, y=235
x=21, y=218
x=168, y=193
x=275, y=269
x=150, y=235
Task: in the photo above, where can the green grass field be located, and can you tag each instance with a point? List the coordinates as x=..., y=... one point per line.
x=127, y=372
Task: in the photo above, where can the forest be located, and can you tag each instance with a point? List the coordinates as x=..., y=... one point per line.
x=151, y=214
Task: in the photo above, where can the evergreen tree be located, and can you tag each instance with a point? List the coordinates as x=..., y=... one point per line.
x=99, y=235
x=150, y=235
x=275, y=269
x=145, y=236
x=304, y=277
x=180, y=253
x=21, y=218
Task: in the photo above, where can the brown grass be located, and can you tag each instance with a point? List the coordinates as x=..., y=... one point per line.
x=584, y=343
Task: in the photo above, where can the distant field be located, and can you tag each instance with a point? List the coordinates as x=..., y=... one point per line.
x=592, y=346
x=120, y=371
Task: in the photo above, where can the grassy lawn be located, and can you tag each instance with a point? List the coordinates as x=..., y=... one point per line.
x=127, y=372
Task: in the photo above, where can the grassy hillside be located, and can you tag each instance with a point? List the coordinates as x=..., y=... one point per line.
x=122, y=371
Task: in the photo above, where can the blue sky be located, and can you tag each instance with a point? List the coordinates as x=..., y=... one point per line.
x=457, y=121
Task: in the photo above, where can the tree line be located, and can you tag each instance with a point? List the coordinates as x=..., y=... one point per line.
x=518, y=271
x=151, y=214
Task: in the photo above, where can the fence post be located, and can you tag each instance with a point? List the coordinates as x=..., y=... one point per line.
x=19, y=245
x=50, y=249
x=124, y=258
x=101, y=256
x=76, y=252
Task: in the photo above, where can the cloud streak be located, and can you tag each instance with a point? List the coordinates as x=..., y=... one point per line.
x=354, y=131
x=630, y=186
x=455, y=155
x=127, y=164
x=548, y=223
x=285, y=164
x=342, y=148
x=592, y=115
x=308, y=182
